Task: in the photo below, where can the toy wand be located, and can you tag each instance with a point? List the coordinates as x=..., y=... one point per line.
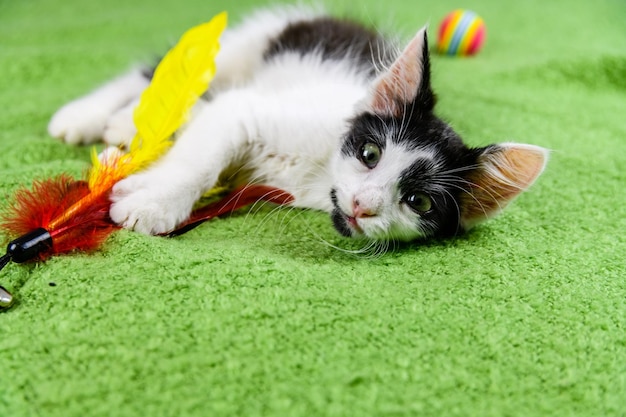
x=39, y=242
x=61, y=215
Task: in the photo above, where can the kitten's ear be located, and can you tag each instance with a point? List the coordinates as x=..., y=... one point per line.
x=503, y=172
x=406, y=79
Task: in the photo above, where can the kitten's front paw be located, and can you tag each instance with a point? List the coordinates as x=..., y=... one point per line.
x=80, y=121
x=147, y=204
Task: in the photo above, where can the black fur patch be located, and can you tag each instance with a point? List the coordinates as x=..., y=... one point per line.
x=338, y=218
x=364, y=128
x=443, y=184
x=333, y=39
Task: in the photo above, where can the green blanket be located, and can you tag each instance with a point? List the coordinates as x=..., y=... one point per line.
x=260, y=314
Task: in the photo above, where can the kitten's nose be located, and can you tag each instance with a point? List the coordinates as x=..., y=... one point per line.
x=360, y=210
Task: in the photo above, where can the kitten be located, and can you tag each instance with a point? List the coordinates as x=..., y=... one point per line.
x=326, y=110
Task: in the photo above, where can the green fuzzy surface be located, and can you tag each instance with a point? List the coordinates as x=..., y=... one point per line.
x=257, y=315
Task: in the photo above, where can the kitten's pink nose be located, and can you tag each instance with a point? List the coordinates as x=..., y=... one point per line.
x=361, y=210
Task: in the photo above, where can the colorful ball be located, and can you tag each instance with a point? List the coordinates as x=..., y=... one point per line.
x=461, y=33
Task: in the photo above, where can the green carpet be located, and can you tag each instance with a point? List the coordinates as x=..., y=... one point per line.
x=255, y=315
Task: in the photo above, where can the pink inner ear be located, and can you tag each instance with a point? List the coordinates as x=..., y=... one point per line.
x=504, y=174
x=398, y=86
x=518, y=167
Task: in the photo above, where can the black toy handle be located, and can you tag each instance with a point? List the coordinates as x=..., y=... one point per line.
x=29, y=246
x=24, y=248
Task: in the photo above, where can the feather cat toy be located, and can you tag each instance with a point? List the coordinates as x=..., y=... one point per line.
x=61, y=214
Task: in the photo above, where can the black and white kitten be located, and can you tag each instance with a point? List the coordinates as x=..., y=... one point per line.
x=326, y=110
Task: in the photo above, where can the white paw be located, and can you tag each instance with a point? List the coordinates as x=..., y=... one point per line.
x=80, y=121
x=84, y=120
x=120, y=127
x=151, y=203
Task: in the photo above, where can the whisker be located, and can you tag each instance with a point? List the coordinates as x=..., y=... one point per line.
x=354, y=252
x=459, y=169
x=469, y=193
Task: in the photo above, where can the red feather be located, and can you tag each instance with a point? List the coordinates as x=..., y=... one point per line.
x=52, y=205
x=48, y=201
x=240, y=197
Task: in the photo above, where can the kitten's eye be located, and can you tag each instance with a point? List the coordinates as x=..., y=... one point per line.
x=370, y=154
x=419, y=202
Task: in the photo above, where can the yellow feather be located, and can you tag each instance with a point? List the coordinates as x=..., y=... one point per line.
x=183, y=75
x=179, y=80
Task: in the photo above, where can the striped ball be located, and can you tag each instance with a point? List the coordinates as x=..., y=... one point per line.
x=461, y=33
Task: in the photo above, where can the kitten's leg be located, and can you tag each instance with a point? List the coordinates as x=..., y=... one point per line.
x=158, y=199
x=84, y=120
x=107, y=112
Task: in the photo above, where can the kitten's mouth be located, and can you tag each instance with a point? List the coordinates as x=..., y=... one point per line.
x=345, y=224
x=354, y=224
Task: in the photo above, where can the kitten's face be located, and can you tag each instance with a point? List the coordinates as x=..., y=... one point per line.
x=399, y=179
x=403, y=174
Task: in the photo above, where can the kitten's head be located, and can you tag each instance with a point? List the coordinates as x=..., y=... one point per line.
x=403, y=174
